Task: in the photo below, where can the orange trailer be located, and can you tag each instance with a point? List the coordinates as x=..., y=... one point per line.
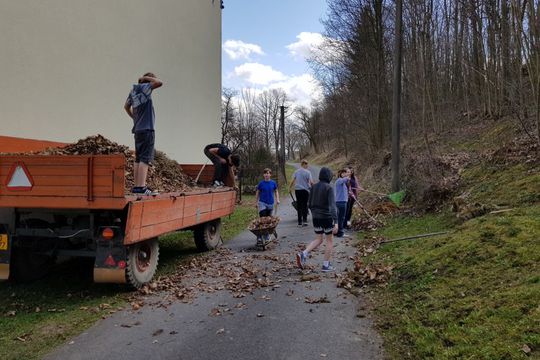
x=77, y=206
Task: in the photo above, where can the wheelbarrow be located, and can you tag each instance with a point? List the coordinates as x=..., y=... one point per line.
x=263, y=235
x=265, y=228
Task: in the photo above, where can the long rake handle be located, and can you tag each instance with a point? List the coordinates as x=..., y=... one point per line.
x=364, y=209
x=371, y=192
x=200, y=172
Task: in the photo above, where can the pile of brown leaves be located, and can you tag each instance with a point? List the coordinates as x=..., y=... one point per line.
x=382, y=207
x=165, y=175
x=364, y=223
x=362, y=274
x=430, y=180
x=263, y=223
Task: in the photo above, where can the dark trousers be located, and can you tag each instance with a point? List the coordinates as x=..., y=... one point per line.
x=302, y=205
x=341, y=209
x=265, y=212
x=220, y=170
x=348, y=215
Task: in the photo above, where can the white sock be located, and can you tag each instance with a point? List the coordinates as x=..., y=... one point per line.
x=326, y=263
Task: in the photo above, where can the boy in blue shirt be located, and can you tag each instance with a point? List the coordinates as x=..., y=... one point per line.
x=264, y=196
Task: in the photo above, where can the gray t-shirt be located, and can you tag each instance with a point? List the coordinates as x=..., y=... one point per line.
x=302, y=179
x=143, y=110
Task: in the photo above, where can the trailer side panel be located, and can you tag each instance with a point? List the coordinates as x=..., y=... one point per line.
x=154, y=217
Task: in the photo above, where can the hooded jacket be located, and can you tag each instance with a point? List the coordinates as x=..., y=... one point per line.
x=322, y=201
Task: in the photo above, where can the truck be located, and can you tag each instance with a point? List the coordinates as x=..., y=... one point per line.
x=76, y=206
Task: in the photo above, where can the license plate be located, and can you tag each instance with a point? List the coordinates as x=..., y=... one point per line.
x=3, y=242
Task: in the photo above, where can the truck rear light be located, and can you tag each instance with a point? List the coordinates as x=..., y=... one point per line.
x=110, y=261
x=121, y=264
x=107, y=233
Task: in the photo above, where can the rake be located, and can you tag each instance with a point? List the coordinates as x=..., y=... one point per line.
x=396, y=197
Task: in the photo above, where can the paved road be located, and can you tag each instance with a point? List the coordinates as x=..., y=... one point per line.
x=275, y=322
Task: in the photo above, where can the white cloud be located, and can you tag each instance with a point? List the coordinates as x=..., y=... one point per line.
x=307, y=44
x=237, y=49
x=258, y=74
x=301, y=90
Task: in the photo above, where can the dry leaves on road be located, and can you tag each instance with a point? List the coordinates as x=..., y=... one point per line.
x=221, y=270
x=320, y=300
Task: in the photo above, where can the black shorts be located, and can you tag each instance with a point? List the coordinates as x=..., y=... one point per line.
x=144, y=146
x=323, y=226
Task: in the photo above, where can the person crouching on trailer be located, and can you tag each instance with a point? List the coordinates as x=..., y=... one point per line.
x=267, y=189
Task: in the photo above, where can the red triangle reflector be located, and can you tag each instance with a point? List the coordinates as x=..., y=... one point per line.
x=19, y=178
x=110, y=261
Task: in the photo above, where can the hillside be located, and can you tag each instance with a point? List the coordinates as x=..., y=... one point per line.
x=472, y=292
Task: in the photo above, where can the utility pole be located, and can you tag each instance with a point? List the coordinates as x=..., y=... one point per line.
x=396, y=104
x=282, y=145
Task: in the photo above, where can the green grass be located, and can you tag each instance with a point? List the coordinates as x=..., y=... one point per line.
x=68, y=303
x=77, y=302
x=473, y=293
x=402, y=226
x=513, y=186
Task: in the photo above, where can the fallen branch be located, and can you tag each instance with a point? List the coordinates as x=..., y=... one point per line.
x=415, y=237
x=500, y=211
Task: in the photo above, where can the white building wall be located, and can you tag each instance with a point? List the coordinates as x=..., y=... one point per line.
x=67, y=66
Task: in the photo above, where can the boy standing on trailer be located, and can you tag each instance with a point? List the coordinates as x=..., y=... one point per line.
x=225, y=163
x=140, y=108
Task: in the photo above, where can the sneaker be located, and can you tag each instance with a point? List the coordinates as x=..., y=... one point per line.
x=300, y=260
x=327, y=268
x=299, y=225
x=217, y=183
x=305, y=224
x=143, y=190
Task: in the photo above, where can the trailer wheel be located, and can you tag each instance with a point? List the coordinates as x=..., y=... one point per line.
x=208, y=235
x=28, y=265
x=142, y=261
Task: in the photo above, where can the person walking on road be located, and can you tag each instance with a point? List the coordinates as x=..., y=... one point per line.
x=322, y=204
x=267, y=190
x=342, y=196
x=225, y=162
x=302, y=182
x=140, y=108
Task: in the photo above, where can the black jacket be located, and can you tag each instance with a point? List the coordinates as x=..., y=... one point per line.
x=322, y=201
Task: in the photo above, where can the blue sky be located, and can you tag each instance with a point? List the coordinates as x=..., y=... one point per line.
x=265, y=44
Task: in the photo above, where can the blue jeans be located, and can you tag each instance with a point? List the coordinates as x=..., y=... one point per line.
x=342, y=211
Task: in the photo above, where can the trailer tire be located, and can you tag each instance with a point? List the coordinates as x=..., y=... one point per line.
x=28, y=265
x=142, y=261
x=208, y=235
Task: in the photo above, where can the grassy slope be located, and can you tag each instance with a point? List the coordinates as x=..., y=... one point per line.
x=77, y=302
x=474, y=293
